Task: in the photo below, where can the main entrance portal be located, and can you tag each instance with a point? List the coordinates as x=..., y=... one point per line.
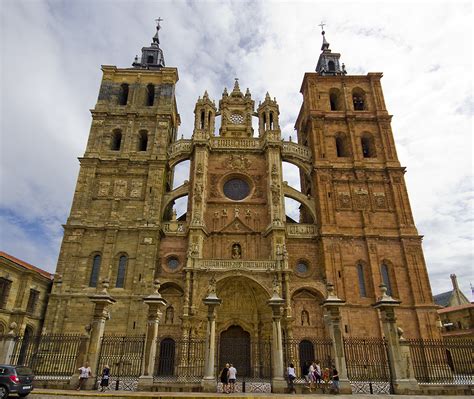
x=234, y=347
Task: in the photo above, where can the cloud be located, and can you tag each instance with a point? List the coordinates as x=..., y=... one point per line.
x=50, y=75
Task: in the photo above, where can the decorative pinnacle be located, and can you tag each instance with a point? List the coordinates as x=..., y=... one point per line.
x=236, y=85
x=156, y=287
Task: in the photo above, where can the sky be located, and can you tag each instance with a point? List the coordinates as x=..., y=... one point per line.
x=50, y=75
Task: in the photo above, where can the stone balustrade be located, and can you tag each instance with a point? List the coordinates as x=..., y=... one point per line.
x=296, y=150
x=228, y=143
x=300, y=230
x=236, y=264
x=180, y=147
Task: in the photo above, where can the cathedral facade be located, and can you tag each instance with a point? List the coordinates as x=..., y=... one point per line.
x=355, y=230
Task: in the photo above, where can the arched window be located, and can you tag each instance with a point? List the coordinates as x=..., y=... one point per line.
x=122, y=268
x=331, y=66
x=358, y=99
x=361, y=275
x=95, y=271
x=368, y=146
x=116, y=140
x=123, y=95
x=264, y=121
x=335, y=100
x=386, y=278
x=209, y=119
x=149, y=59
x=150, y=95
x=143, y=140
x=202, y=119
x=342, y=146
x=271, y=120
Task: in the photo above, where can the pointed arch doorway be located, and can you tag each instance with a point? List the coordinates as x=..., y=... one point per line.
x=234, y=347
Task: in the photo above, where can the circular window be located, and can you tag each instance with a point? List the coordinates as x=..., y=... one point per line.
x=236, y=189
x=302, y=267
x=237, y=119
x=173, y=263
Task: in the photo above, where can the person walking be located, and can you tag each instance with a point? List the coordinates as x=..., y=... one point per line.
x=335, y=379
x=291, y=378
x=232, y=378
x=84, y=373
x=104, y=381
x=224, y=376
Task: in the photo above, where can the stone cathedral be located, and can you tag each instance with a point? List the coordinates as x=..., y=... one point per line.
x=355, y=230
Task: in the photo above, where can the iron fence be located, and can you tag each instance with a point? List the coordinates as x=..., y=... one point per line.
x=303, y=352
x=124, y=356
x=50, y=356
x=367, y=365
x=179, y=360
x=443, y=361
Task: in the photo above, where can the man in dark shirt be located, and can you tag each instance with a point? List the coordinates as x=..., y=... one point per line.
x=335, y=379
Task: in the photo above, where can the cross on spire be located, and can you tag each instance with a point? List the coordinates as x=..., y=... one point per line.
x=158, y=20
x=322, y=25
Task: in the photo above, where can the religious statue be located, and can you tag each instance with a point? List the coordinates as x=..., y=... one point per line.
x=236, y=251
x=236, y=212
x=169, y=316
x=304, y=317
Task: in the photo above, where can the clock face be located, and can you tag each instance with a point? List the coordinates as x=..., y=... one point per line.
x=237, y=119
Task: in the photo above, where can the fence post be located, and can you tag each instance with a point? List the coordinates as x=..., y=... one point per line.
x=399, y=358
x=154, y=302
x=101, y=302
x=209, y=383
x=332, y=306
x=7, y=344
x=279, y=384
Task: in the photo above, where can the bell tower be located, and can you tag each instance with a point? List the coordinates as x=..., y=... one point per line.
x=236, y=110
x=364, y=219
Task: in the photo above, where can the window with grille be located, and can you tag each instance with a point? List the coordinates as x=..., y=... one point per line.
x=5, y=285
x=32, y=301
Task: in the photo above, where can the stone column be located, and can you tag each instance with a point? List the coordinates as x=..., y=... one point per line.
x=154, y=301
x=401, y=369
x=209, y=383
x=332, y=306
x=101, y=302
x=276, y=302
x=7, y=344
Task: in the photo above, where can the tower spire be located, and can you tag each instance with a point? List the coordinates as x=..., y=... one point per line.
x=152, y=56
x=328, y=62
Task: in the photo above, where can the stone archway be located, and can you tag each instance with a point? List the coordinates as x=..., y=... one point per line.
x=234, y=347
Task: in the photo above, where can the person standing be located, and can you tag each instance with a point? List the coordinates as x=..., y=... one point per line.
x=291, y=378
x=84, y=373
x=311, y=376
x=224, y=376
x=232, y=378
x=335, y=379
x=104, y=381
x=317, y=374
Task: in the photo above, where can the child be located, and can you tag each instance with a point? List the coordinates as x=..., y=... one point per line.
x=326, y=379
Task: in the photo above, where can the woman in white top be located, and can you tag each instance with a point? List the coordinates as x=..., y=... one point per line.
x=291, y=377
x=311, y=377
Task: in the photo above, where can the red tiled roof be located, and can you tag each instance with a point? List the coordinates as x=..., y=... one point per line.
x=454, y=308
x=26, y=265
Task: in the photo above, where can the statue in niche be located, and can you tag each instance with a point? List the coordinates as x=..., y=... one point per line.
x=236, y=212
x=236, y=251
x=169, y=316
x=304, y=317
x=173, y=215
